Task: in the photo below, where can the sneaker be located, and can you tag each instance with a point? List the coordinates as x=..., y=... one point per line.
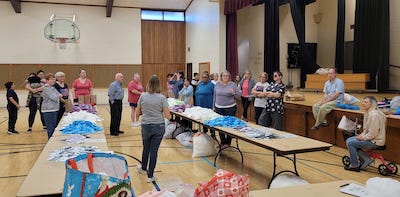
x=120, y=132
x=29, y=130
x=135, y=124
x=314, y=128
x=324, y=124
x=12, y=132
x=152, y=179
x=355, y=169
x=140, y=170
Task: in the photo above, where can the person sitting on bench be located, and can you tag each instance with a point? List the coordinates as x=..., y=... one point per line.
x=333, y=94
x=373, y=135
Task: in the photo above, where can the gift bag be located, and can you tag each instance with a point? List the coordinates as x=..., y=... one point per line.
x=97, y=174
x=224, y=183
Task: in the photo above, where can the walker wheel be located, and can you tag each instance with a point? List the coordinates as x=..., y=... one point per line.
x=383, y=170
x=346, y=160
x=394, y=168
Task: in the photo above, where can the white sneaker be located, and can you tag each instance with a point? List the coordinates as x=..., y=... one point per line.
x=140, y=170
x=135, y=124
x=152, y=179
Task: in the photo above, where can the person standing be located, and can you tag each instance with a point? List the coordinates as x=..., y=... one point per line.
x=225, y=95
x=62, y=88
x=115, y=96
x=153, y=107
x=12, y=107
x=187, y=92
x=81, y=86
x=333, y=94
x=51, y=104
x=177, y=83
x=214, y=78
x=205, y=92
x=34, y=100
x=373, y=135
x=246, y=85
x=195, y=82
x=261, y=100
x=272, y=115
x=135, y=89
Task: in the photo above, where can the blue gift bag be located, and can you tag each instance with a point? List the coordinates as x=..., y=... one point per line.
x=97, y=174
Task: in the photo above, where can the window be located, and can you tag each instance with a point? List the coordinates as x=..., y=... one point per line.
x=163, y=15
x=174, y=16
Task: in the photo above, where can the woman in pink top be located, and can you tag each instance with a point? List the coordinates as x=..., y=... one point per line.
x=135, y=89
x=81, y=86
x=246, y=85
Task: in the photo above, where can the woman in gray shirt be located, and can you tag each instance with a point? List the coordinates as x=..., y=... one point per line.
x=51, y=104
x=153, y=107
x=225, y=95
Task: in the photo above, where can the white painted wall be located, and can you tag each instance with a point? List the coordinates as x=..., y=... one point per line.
x=251, y=29
x=394, y=49
x=115, y=40
x=251, y=39
x=326, y=48
x=203, y=35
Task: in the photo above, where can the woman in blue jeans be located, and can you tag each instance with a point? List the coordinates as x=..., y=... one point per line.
x=373, y=135
x=153, y=107
x=51, y=104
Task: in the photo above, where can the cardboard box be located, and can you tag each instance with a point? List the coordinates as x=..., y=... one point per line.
x=294, y=96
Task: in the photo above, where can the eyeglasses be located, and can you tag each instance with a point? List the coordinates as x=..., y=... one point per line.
x=276, y=75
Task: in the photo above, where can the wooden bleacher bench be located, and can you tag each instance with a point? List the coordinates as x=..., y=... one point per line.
x=356, y=81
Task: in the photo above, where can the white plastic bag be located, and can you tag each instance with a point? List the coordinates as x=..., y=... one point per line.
x=184, y=190
x=347, y=124
x=287, y=180
x=350, y=99
x=185, y=139
x=203, y=145
x=169, y=129
x=395, y=103
x=382, y=187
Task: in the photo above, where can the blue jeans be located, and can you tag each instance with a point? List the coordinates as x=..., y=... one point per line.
x=152, y=135
x=353, y=145
x=50, y=118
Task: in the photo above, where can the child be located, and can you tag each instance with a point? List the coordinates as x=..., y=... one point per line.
x=12, y=107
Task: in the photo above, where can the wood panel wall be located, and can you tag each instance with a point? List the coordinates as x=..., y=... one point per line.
x=101, y=75
x=163, y=49
x=163, y=42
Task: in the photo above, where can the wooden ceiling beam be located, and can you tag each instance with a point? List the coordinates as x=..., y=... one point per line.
x=16, y=4
x=109, y=7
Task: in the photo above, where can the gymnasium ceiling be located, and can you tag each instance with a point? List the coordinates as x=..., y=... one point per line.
x=174, y=5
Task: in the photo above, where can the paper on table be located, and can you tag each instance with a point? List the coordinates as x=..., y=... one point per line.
x=354, y=189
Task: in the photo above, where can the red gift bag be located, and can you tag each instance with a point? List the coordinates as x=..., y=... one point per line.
x=224, y=184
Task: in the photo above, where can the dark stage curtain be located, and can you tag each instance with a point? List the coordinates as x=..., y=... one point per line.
x=232, y=6
x=371, y=41
x=271, y=37
x=339, y=55
x=231, y=45
x=309, y=66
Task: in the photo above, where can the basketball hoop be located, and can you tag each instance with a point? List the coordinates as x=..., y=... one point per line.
x=62, y=43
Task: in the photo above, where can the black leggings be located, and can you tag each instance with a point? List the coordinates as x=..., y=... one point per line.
x=245, y=104
x=33, y=108
x=12, y=117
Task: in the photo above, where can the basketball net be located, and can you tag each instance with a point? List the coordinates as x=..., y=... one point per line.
x=62, y=44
